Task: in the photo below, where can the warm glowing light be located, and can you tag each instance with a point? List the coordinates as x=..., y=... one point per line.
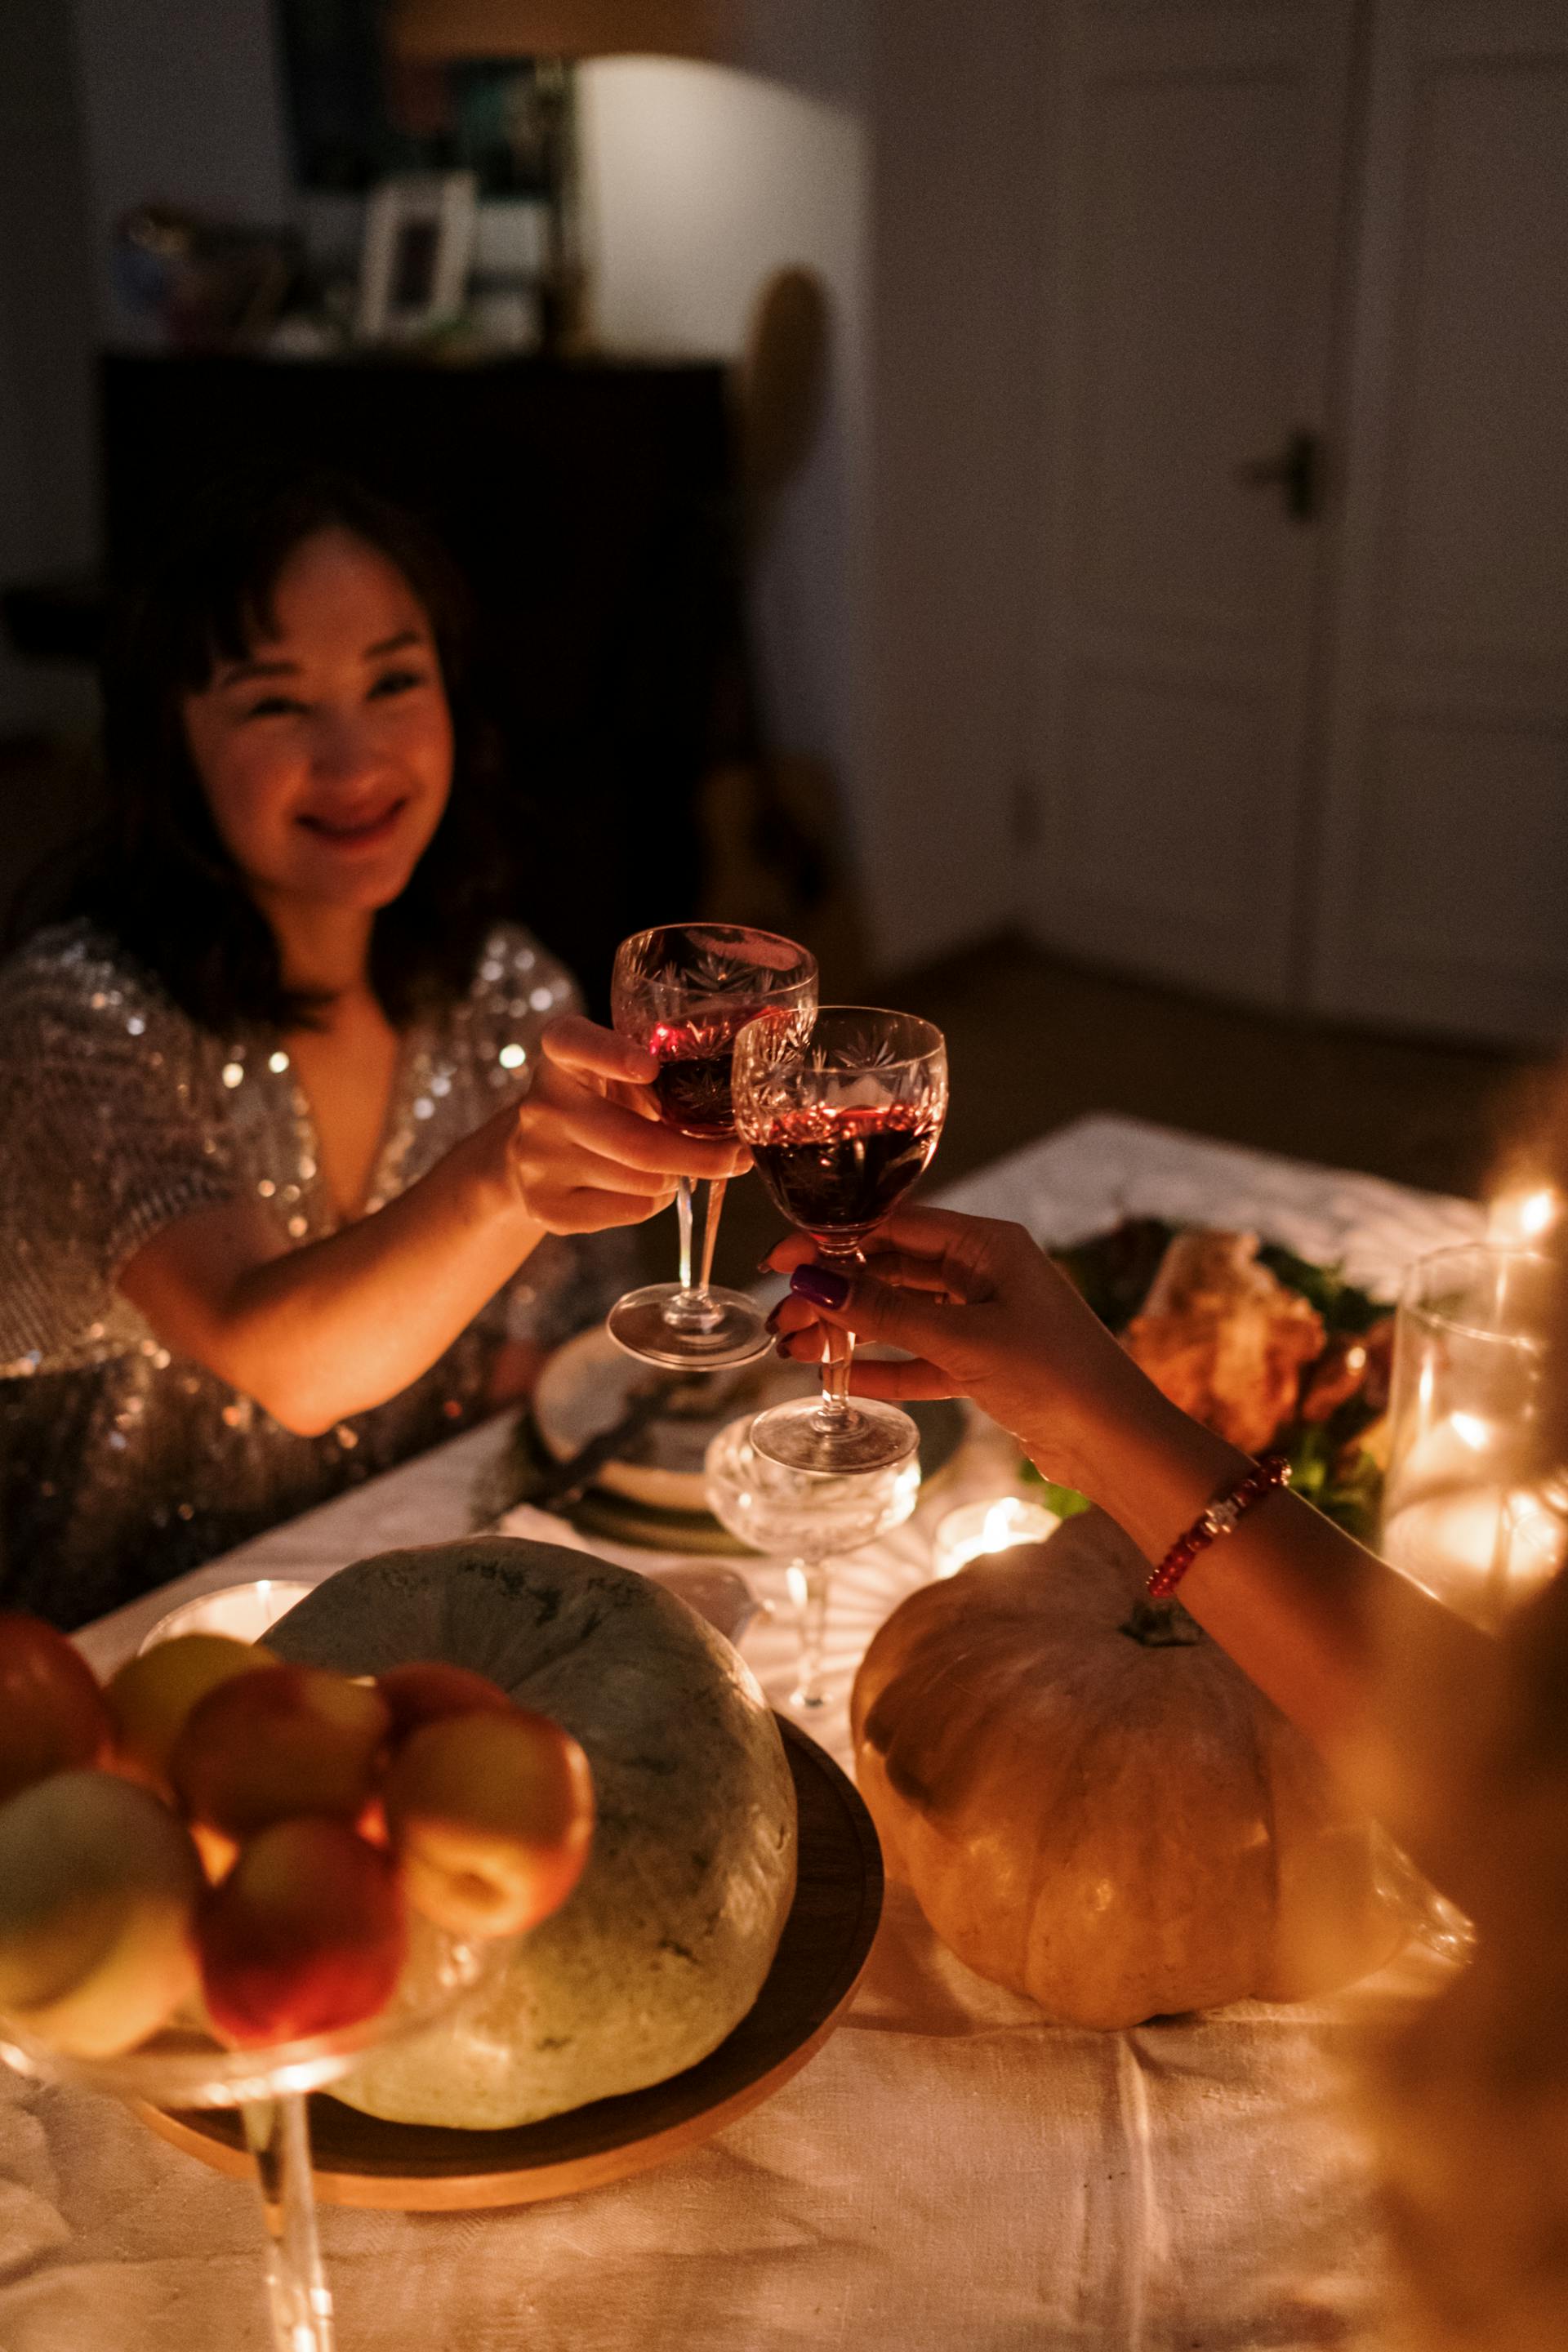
x=977, y=1528
x=246, y=1612
x=1479, y=1550
x=1472, y=1431
x=1523, y=1217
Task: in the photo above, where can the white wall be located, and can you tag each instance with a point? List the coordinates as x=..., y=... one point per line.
x=955, y=315
x=700, y=182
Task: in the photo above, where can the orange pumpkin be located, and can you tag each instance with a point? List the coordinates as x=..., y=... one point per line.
x=1095, y=1806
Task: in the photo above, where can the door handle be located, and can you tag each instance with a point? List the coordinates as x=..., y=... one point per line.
x=1296, y=472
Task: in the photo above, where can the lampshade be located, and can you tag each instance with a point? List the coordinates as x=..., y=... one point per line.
x=439, y=30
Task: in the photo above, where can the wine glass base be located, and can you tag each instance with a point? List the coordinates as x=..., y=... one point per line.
x=640, y=1324
x=871, y=1436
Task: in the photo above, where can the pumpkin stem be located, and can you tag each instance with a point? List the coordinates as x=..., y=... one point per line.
x=1162, y=1625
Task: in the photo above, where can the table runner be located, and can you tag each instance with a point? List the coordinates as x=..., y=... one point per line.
x=949, y=2170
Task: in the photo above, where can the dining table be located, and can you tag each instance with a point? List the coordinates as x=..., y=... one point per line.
x=952, y=2167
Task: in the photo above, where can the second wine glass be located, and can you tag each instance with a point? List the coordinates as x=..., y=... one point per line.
x=840, y=1120
x=683, y=991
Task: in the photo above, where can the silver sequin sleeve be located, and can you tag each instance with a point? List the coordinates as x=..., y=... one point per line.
x=122, y=1463
x=108, y=1131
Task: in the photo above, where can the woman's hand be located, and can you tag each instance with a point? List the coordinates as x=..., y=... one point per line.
x=985, y=1313
x=586, y=1148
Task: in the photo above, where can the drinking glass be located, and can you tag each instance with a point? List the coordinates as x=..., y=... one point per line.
x=841, y=1116
x=1470, y=1511
x=807, y=1518
x=683, y=991
x=185, y=2066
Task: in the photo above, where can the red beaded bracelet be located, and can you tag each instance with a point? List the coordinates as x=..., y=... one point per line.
x=1221, y=1518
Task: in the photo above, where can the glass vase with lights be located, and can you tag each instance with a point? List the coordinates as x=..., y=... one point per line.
x=1470, y=1510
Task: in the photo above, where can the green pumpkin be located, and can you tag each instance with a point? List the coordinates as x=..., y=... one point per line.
x=663, y=1947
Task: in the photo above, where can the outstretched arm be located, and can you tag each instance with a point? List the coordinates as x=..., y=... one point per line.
x=318, y=1333
x=1320, y=1624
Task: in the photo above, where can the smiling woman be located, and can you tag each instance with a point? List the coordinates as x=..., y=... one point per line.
x=297, y=1133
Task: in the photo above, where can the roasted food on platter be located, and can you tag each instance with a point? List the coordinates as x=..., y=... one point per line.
x=223, y=1842
x=1272, y=1351
x=664, y=1945
x=1094, y=1806
x=1224, y=1338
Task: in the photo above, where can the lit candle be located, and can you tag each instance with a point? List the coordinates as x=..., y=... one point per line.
x=979, y=1527
x=246, y=1612
x=1521, y=1217
x=1479, y=1550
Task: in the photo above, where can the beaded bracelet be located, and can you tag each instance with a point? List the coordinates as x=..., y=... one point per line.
x=1221, y=1518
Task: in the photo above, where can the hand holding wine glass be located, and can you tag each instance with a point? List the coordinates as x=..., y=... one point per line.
x=840, y=1123
x=682, y=992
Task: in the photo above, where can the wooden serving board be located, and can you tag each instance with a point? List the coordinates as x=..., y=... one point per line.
x=821, y=1956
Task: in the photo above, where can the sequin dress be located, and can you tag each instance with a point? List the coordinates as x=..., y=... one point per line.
x=121, y=1465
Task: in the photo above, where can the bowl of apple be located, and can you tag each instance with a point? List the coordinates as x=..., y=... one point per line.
x=225, y=1879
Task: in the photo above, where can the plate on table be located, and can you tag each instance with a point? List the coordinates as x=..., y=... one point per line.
x=1274, y=1350
x=589, y=1384
x=822, y=1955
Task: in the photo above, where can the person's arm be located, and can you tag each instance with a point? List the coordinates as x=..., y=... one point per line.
x=315, y=1334
x=1320, y=1624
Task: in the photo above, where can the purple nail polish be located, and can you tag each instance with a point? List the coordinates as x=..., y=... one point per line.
x=824, y=1286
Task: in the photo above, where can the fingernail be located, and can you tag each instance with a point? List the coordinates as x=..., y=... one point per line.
x=772, y=1318
x=781, y=1348
x=766, y=1263
x=822, y=1284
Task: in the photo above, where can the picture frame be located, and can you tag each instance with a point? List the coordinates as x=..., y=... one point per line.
x=418, y=244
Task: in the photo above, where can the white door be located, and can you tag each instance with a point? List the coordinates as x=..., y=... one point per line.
x=1200, y=165
x=1444, y=870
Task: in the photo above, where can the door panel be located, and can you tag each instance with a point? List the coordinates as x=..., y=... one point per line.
x=1443, y=877
x=1201, y=163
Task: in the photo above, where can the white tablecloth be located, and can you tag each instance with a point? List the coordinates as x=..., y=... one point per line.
x=949, y=2170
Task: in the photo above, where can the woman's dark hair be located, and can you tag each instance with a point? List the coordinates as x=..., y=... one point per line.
x=159, y=877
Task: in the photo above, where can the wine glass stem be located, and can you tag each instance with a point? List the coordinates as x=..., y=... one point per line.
x=689, y=1309
x=278, y=2131
x=838, y=1356
x=809, y=1581
x=712, y=1212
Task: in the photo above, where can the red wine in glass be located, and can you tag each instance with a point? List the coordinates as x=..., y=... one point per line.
x=694, y=1088
x=684, y=992
x=841, y=1117
x=837, y=1173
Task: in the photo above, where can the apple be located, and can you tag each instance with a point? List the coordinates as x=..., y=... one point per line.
x=264, y=1747
x=305, y=1936
x=150, y=1696
x=491, y=1817
x=425, y=1693
x=52, y=1714
x=98, y=1886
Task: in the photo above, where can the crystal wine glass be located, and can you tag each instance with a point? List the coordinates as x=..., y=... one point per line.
x=185, y=2065
x=840, y=1123
x=682, y=992
x=807, y=1518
